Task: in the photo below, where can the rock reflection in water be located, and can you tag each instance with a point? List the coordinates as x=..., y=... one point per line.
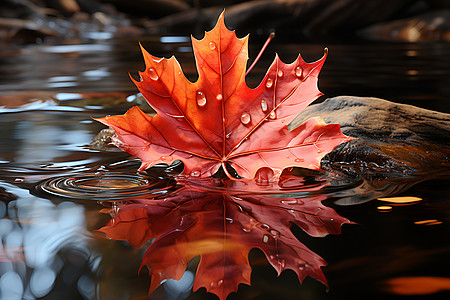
x=221, y=221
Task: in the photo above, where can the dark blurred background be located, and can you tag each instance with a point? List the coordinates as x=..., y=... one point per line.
x=31, y=21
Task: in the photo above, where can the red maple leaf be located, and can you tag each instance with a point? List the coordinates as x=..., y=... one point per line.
x=222, y=225
x=219, y=120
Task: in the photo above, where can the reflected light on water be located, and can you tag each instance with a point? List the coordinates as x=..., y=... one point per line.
x=68, y=96
x=401, y=200
x=97, y=74
x=420, y=285
x=174, y=39
x=428, y=222
x=32, y=234
x=384, y=208
x=11, y=286
x=75, y=48
x=42, y=281
x=180, y=289
x=412, y=72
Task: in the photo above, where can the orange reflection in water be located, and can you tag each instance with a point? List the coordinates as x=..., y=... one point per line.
x=428, y=222
x=419, y=285
x=401, y=200
x=221, y=221
x=384, y=208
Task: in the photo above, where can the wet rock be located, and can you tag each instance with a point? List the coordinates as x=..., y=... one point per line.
x=392, y=140
x=429, y=27
x=102, y=141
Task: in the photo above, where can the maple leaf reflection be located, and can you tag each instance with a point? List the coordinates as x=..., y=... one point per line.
x=221, y=221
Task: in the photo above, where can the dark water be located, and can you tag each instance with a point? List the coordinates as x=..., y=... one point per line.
x=56, y=193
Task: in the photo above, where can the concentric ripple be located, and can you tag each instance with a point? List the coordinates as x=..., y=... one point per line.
x=110, y=186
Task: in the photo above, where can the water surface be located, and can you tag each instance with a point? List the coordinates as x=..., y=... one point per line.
x=55, y=192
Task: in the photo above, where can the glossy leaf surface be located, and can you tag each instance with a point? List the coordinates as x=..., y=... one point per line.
x=218, y=119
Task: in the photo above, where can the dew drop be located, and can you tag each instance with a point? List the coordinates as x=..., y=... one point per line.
x=18, y=180
x=269, y=83
x=229, y=220
x=201, y=98
x=265, y=239
x=245, y=118
x=282, y=263
x=319, y=150
x=195, y=173
x=228, y=135
x=220, y=282
x=263, y=105
x=212, y=45
x=280, y=74
x=152, y=74
x=246, y=229
x=271, y=257
x=288, y=201
x=219, y=97
x=273, y=115
x=301, y=267
x=167, y=158
x=265, y=226
x=274, y=233
x=299, y=160
x=298, y=71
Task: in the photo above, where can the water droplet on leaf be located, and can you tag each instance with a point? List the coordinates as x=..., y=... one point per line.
x=212, y=45
x=280, y=74
x=273, y=115
x=298, y=71
x=265, y=226
x=299, y=160
x=152, y=74
x=269, y=83
x=167, y=158
x=288, y=201
x=245, y=118
x=201, y=98
x=265, y=239
x=274, y=233
x=263, y=105
x=195, y=173
x=219, y=97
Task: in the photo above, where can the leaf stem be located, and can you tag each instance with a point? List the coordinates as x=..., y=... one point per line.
x=271, y=36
